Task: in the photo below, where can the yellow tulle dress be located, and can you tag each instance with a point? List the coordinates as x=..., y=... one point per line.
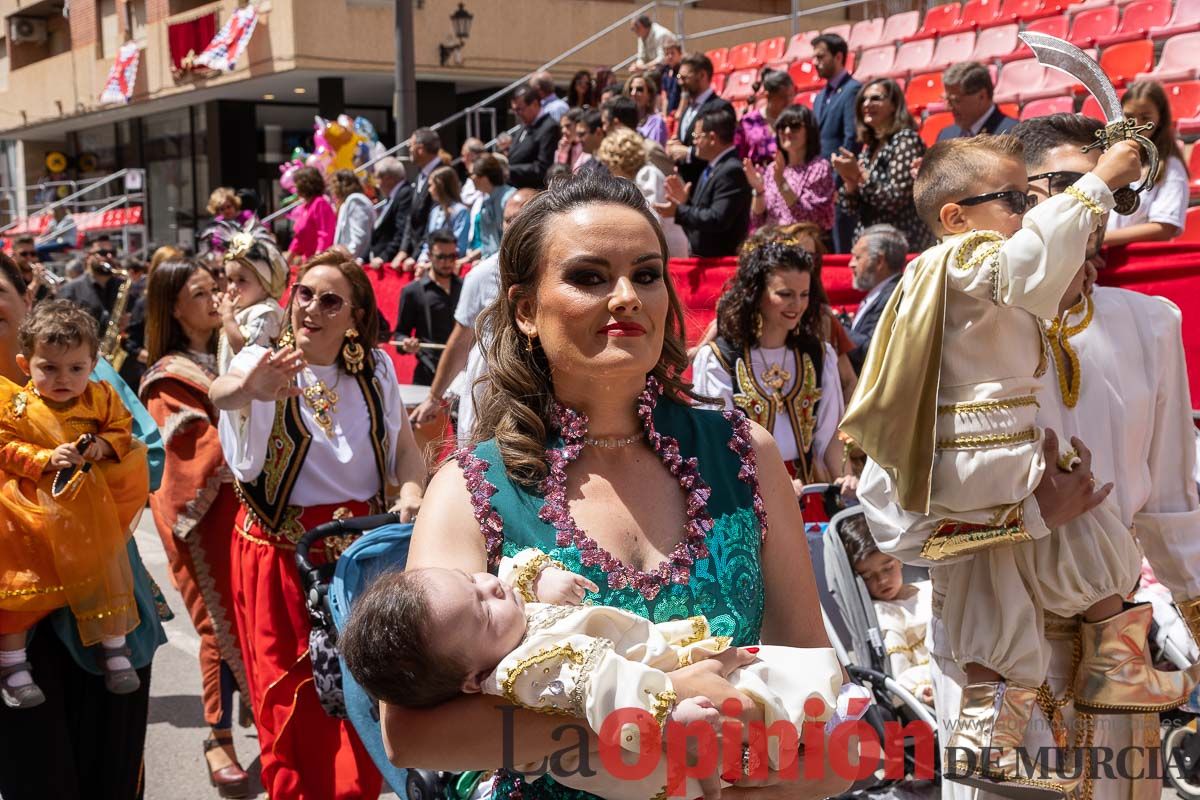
x=64, y=544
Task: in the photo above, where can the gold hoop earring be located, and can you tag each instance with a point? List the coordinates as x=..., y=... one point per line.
x=352, y=353
x=758, y=325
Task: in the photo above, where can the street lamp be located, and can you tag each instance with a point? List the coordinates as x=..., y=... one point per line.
x=461, y=19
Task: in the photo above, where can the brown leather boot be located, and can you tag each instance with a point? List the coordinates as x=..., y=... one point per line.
x=1116, y=674
x=983, y=748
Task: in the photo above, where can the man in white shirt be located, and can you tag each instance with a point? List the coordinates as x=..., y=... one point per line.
x=552, y=104
x=479, y=290
x=650, y=37
x=876, y=261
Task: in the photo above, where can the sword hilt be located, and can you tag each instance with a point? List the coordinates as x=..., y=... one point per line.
x=1126, y=198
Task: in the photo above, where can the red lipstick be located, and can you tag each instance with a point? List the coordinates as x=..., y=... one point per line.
x=623, y=329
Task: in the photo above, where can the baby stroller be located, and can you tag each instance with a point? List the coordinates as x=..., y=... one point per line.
x=846, y=600
x=330, y=591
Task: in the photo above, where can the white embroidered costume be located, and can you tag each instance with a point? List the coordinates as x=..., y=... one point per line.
x=903, y=623
x=590, y=661
x=986, y=457
x=260, y=324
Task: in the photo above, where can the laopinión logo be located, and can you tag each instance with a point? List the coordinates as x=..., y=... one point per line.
x=854, y=751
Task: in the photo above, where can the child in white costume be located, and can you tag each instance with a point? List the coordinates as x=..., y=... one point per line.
x=250, y=312
x=945, y=410
x=455, y=633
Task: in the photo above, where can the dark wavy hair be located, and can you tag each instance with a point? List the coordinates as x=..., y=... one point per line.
x=738, y=308
x=519, y=390
x=903, y=119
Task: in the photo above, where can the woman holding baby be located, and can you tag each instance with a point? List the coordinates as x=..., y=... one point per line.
x=589, y=448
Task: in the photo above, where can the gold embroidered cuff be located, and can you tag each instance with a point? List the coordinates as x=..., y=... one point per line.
x=26, y=460
x=953, y=539
x=528, y=574
x=661, y=706
x=985, y=440
x=1087, y=202
x=1190, y=609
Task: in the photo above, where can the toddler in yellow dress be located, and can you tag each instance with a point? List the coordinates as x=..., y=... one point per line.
x=73, y=483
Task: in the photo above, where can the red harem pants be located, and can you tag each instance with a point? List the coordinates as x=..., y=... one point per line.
x=306, y=754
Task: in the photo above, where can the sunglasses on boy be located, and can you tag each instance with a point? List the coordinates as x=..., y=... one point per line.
x=328, y=303
x=1058, y=181
x=1017, y=202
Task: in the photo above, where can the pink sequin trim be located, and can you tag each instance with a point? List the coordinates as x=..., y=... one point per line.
x=743, y=444
x=490, y=524
x=677, y=568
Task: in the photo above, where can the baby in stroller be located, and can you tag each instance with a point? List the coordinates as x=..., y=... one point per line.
x=422, y=637
x=903, y=609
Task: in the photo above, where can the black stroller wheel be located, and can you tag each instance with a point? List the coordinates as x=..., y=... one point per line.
x=1181, y=760
x=423, y=784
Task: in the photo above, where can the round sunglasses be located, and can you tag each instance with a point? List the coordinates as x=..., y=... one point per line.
x=328, y=303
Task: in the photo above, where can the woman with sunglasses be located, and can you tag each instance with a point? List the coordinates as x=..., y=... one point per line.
x=195, y=508
x=313, y=431
x=798, y=185
x=877, y=185
x=643, y=90
x=755, y=136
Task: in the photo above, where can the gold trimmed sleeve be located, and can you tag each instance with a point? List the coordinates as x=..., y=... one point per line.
x=1190, y=610
x=954, y=539
x=24, y=459
x=1087, y=202
x=522, y=571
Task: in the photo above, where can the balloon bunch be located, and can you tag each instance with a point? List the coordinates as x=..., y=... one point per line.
x=338, y=142
x=287, y=173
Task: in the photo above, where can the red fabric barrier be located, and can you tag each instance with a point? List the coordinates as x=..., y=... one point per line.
x=1169, y=270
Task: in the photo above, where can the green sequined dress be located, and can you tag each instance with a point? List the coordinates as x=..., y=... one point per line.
x=715, y=571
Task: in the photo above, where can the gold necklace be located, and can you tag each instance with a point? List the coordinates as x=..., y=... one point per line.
x=774, y=375
x=322, y=400
x=1059, y=334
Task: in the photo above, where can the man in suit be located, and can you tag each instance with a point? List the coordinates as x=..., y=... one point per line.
x=714, y=212
x=695, y=77
x=532, y=151
x=968, y=88
x=424, y=152
x=388, y=234
x=835, y=110
x=876, y=261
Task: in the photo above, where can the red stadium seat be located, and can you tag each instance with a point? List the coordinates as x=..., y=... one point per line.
x=1138, y=19
x=718, y=58
x=739, y=107
x=995, y=43
x=1090, y=25
x=1191, y=228
x=1185, y=19
x=978, y=14
x=1010, y=109
x=951, y=49
x=718, y=82
x=800, y=47
x=744, y=56
x=1027, y=10
x=1178, y=61
x=804, y=99
x=805, y=76
x=912, y=56
x=1188, y=126
x=740, y=84
x=771, y=49
x=1091, y=108
x=1048, y=106
x=1016, y=78
x=1122, y=62
x=1184, y=99
x=1052, y=26
x=874, y=62
x=1055, y=83
x=935, y=124
x=866, y=33
x=938, y=20
x=924, y=89
x=842, y=30
x=899, y=27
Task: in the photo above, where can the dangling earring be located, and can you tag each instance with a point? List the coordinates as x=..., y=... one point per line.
x=352, y=353
x=288, y=339
x=758, y=323
x=529, y=342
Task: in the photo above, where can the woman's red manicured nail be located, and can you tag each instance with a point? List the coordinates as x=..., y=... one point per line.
x=751, y=649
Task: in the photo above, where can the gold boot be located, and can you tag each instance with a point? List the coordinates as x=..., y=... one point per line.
x=983, y=749
x=1116, y=674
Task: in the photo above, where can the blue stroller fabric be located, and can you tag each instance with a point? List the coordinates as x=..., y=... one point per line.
x=383, y=549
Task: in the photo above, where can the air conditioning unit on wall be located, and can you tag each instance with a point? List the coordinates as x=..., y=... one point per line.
x=27, y=29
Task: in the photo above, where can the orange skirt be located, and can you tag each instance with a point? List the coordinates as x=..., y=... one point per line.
x=306, y=754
